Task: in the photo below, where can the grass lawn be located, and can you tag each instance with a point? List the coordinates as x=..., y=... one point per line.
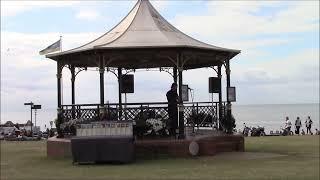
x=299, y=160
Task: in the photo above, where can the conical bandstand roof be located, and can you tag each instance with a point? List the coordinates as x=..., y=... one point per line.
x=141, y=32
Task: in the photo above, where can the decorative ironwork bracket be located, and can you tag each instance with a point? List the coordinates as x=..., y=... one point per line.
x=185, y=60
x=77, y=70
x=215, y=69
x=129, y=71
x=167, y=70
x=113, y=71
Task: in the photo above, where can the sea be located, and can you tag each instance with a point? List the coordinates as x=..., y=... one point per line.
x=272, y=116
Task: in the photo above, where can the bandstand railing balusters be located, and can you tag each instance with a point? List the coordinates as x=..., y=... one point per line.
x=91, y=112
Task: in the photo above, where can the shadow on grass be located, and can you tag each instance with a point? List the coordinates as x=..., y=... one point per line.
x=140, y=159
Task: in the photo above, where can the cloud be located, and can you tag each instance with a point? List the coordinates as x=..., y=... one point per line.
x=20, y=51
x=160, y=4
x=26, y=74
x=293, y=78
x=254, y=27
x=88, y=15
x=241, y=6
x=232, y=19
x=290, y=79
x=295, y=68
x=12, y=8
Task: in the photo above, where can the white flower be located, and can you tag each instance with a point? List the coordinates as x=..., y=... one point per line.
x=157, y=124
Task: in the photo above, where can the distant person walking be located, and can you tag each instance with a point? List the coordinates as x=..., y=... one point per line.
x=309, y=125
x=298, y=125
x=288, y=124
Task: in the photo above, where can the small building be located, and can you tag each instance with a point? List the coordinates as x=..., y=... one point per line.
x=9, y=126
x=6, y=130
x=28, y=125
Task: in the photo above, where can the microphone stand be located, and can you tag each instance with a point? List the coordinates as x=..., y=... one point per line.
x=192, y=100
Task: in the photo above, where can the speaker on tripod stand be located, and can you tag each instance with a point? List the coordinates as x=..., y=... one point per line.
x=214, y=87
x=127, y=86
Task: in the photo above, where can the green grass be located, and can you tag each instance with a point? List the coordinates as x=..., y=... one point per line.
x=300, y=160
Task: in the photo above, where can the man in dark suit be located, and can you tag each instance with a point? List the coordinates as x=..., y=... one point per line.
x=173, y=99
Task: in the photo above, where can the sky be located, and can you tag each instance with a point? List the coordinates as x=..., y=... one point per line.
x=278, y=64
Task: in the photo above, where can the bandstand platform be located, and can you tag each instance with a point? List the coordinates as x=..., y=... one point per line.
x=207, y=145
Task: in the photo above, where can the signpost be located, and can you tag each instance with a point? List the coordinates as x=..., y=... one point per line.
x=30, y=104
x=35, y=107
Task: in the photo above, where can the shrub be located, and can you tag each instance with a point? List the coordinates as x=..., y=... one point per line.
x=228, y=125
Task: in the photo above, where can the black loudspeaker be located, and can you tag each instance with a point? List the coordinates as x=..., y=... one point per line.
x=127, y=83
x=214, y=85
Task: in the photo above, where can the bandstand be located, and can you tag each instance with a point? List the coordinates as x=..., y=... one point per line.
x=142, y=40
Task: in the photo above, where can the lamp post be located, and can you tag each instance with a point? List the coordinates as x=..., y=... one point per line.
x=35, y=118
x=31, y=105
